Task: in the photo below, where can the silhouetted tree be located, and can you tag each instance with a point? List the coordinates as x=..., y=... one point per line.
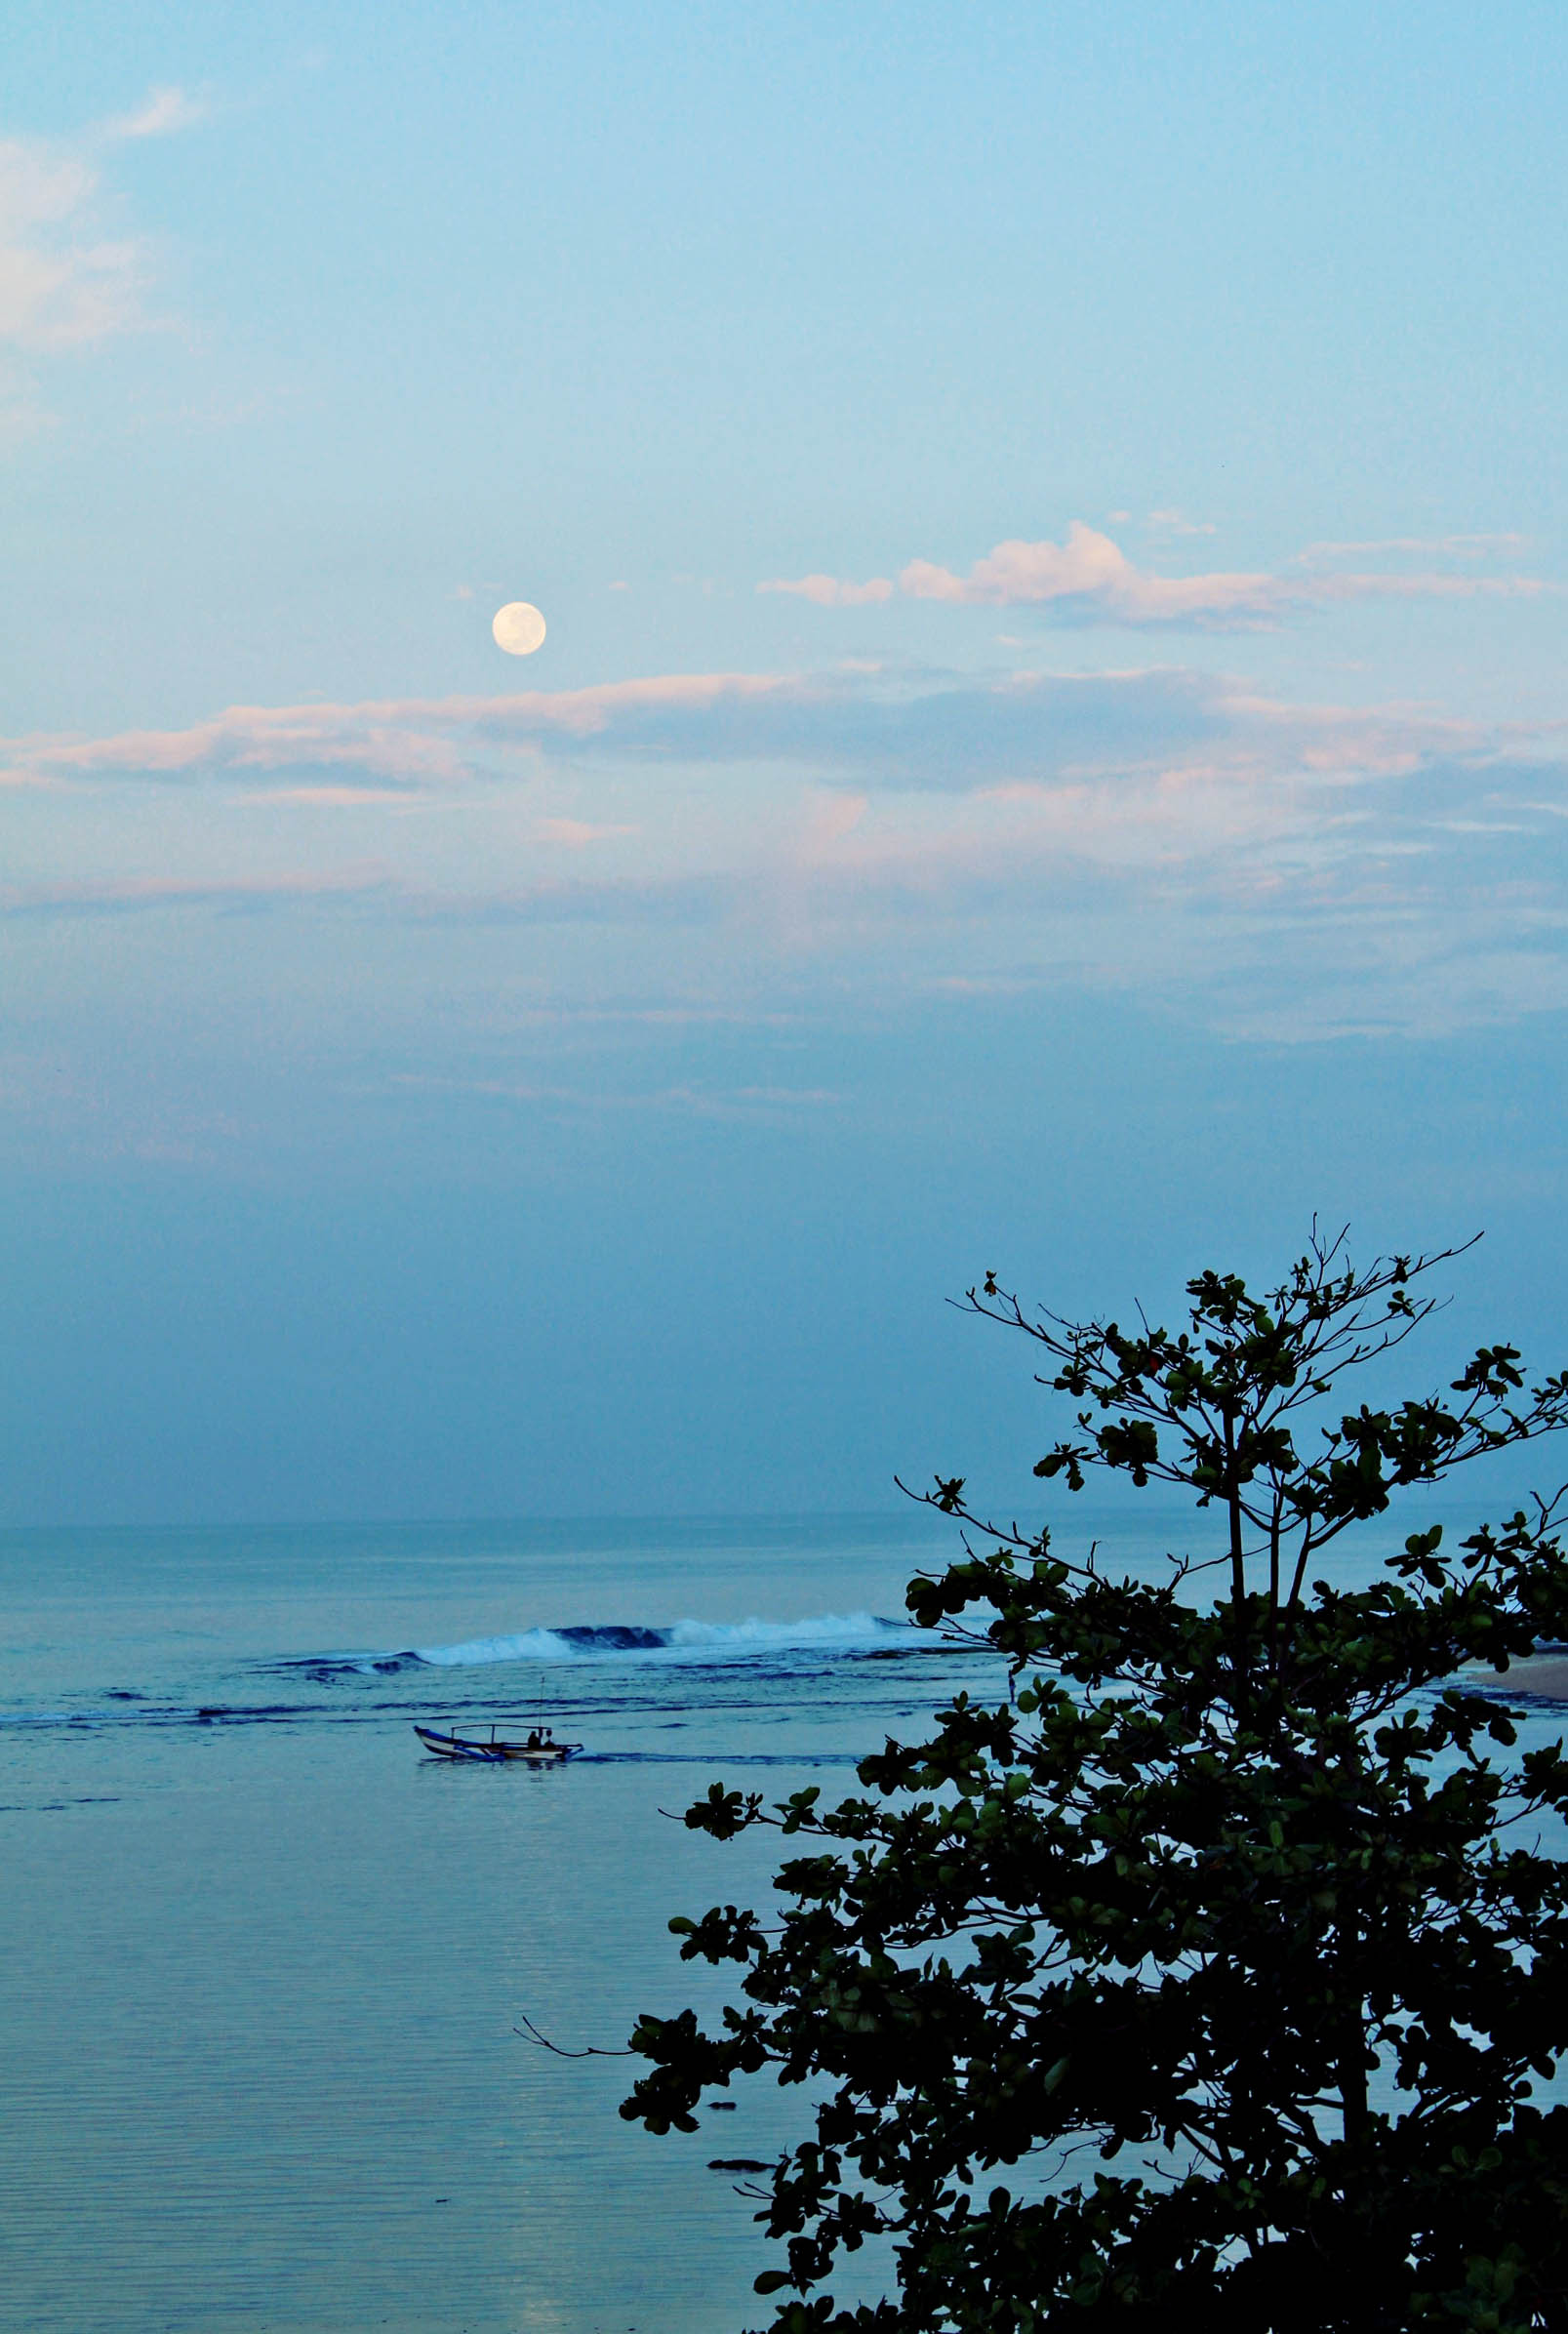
x=1230, y=1934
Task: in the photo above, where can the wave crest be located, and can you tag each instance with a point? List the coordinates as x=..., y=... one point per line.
x=679, y=1640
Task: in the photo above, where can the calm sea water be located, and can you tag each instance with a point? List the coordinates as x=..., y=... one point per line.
x=262, y=1963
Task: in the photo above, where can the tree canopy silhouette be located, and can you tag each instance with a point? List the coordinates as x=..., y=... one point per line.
x=1236, y=1938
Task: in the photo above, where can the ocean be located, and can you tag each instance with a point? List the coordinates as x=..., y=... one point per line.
x=266, y=1969
x=264, y=1963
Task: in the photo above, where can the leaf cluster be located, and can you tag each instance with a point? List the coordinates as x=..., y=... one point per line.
x=1222, y=1971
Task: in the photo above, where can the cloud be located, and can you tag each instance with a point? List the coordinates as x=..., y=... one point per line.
x=67, y=282
x=1089, y=577
x=1504, y=545
x=250, y=742
x=61, y=285
x=162, y=112
x=1089, y=567
x=1176, y=522
x=867, y=731
x=666, y=900
x=869, y=833
x=735, y=1102
x=827, y=591
x=414, y=743
x=148, y=895
x=1351, y=586
x=577, y=835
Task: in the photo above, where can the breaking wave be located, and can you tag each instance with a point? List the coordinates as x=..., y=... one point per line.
x=680, y=1641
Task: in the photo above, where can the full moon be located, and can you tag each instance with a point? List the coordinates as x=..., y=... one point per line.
x=518, y=628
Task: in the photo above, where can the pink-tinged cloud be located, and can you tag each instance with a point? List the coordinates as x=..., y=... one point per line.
x=587, y=712
x=246, y=741
x=903, y=830
x=1090, y=575
x=333, y=798
x=416, y=743
x=1089, y=566
x=830, y=819
x=861, y=733
x=831, y=591
x=578, y=834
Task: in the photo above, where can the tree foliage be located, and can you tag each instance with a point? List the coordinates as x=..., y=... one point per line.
x=1216, y=1976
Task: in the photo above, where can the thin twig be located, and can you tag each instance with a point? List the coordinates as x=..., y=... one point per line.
x=543, y=2042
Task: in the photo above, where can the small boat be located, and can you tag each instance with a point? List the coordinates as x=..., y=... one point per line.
x=538, y=1748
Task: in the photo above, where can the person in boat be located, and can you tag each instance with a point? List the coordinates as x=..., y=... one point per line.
x=533, y=1743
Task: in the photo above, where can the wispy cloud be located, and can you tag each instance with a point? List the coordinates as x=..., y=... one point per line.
x=63, y=284
x=580, y=834
x=699, y=1101
x=864, y=729
x=1176, y=522
x=162, y=111
x=831, y=591
x=70, y=278
x=1507, y=545
x=1088, y=576
x=150, y=895
x=1157, y=825
x=398, y=743
x=1089, y=567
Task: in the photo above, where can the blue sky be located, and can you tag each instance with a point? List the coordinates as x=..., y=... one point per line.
x=1049, y=749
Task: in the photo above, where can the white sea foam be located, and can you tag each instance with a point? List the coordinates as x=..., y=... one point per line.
x=530, y=1646
x=706, y=1640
